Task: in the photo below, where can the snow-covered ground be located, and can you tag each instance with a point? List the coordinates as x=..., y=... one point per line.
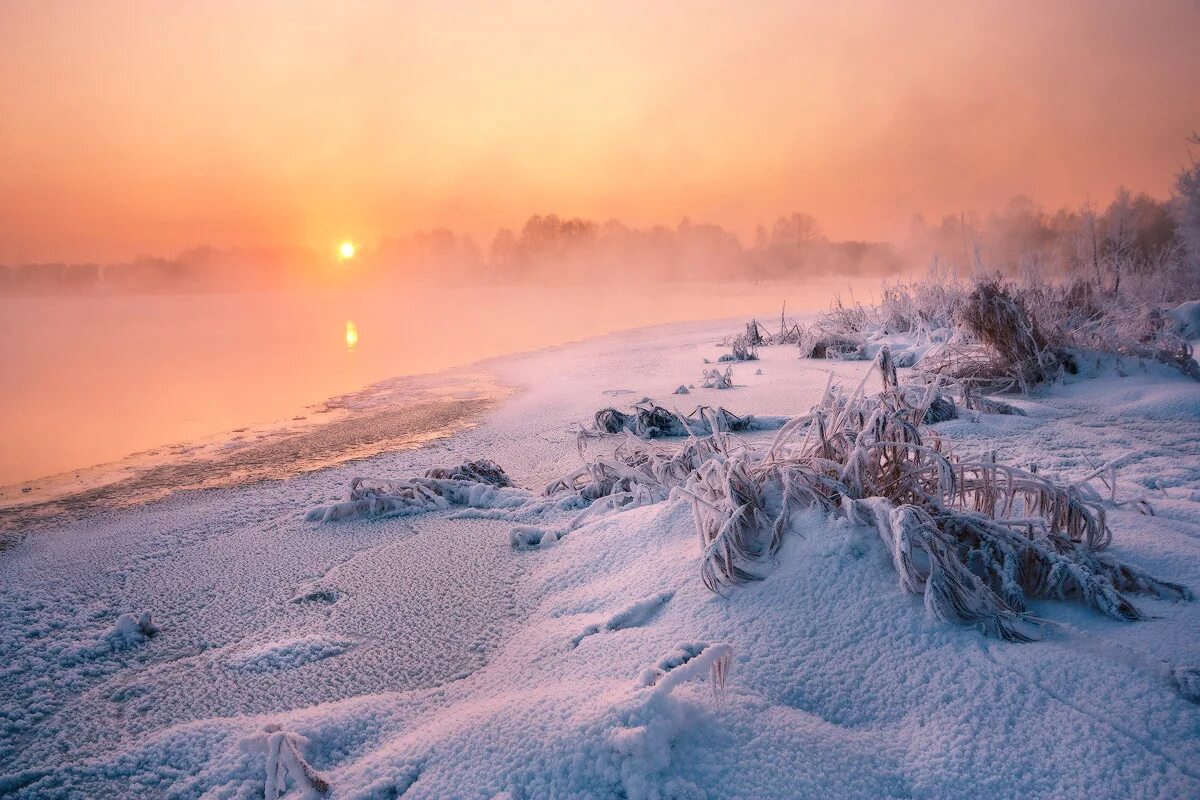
x=424, y=657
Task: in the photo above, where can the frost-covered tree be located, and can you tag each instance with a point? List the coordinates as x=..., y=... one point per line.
x=1120, y=235
x=1088, y=243
x=794, y=231
x=1187, y=209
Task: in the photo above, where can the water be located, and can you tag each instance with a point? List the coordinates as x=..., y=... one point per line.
x=126, y=381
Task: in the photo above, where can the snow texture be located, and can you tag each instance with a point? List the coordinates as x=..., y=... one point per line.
x=424, y=656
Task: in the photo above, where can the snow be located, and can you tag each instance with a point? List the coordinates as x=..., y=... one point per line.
x=131, y=629
x=286, y=653
x=425, y=656
x=1188, y=316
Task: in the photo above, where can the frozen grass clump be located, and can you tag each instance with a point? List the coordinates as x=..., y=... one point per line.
x=975, y=538
x=636, y=473
x=647, y=420
x=1001, y=321
x=743, y=348
x=285, y=764
x=994, y=335
x=924, y=309
x=758, y=336
x=716, y=379
x=998, y=345
x=972, y=366
x=1153, y=335
x=131, y=629
x=819, y=342
x=755, y=336
x=927, y=562
x=475, y=484
x=636, y=467
x=481, y=471
x=788, y=334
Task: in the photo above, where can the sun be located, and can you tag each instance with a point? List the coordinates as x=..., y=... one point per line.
x=347, y=250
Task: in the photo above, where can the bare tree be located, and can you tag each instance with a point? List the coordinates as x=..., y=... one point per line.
x=1120, y=235
x=1186, y=207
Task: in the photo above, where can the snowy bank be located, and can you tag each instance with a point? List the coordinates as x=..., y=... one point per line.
x=422, y=655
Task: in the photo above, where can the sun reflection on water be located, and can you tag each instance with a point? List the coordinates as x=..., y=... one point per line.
x=351, y=335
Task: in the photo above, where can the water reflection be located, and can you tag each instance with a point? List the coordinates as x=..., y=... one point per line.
x=76, y=393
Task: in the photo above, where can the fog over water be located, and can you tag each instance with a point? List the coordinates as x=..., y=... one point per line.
x=89, y=380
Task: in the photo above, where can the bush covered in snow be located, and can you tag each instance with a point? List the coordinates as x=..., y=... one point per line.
x=716, y=379
x=646, y=420
x=976, y=538
x=993, y=335
x=131, y=629
x=472, y=484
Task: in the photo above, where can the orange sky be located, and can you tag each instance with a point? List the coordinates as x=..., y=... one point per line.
x=139, y=127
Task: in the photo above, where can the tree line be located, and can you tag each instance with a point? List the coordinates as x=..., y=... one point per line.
x=1132, y=236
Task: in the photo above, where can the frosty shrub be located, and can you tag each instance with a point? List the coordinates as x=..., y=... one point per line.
x=481, y=471
x=743, y=348
x=974, y=538
x=647, y=420
x=285, y=764
x=994, y=335
x=475, y=484
x=1000, y=320
x=716, y=379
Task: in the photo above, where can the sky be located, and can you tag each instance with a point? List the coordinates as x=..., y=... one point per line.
x=144, y=128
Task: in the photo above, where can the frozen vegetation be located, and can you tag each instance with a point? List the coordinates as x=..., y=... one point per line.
x=941, y=547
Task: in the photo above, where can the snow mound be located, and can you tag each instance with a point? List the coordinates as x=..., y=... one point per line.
x=373, y=499
x=1188, y=316
x=635, y=616
x=531, y=537
x=286, y=653
x=131, y=629
x=1179, y=401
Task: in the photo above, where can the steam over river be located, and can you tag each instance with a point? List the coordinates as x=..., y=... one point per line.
x=128, y=381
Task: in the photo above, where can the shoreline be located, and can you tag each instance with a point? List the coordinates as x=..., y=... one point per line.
x=142, y=476
x=148, y=380
x=277, y=456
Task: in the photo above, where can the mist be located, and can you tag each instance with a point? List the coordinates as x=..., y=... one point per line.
x=517, y=179
x=92, y=380
x=244, y=126
x=549, y=250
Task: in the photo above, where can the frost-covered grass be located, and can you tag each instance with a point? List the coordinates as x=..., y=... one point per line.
x=423, y=656
x=993, y=334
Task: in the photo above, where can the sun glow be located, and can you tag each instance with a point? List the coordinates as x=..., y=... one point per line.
x=346, y=250
x=351, y=335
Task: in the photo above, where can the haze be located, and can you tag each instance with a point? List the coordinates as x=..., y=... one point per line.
x=133, y=128
x=92, y=379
